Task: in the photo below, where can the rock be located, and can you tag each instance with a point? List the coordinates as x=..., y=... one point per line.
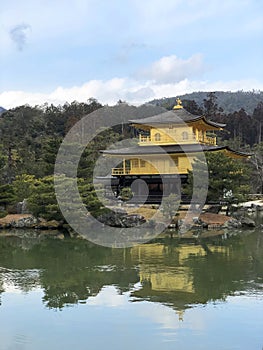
x=247, y=222
x=117, y=219
x=48, y=225
x=133, y=220
x=196, y=220
x=26, y=222
x=232, y=223
x=24, y=209
x=19, y=207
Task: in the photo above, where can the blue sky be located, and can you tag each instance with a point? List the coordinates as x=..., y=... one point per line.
x=134, y=50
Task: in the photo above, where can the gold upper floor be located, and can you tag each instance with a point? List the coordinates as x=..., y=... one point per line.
x=170, y=135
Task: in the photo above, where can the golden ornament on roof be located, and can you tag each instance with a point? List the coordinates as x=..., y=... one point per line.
x=179, y=104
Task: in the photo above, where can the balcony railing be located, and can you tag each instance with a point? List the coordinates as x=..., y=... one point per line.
x=211, y=140
x=164, y=139
x=120, y=171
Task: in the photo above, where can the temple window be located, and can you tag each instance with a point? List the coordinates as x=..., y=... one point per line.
x=157, y=137
x=135, y=163
x=142, y=163
x=185, y=135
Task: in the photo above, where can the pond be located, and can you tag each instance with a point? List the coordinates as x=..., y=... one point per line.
x=167, y=294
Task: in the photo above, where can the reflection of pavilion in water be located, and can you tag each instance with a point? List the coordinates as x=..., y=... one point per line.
x=176, y=275
x=172, y=284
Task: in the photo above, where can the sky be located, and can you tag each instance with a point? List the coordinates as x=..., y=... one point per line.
x=58, y=51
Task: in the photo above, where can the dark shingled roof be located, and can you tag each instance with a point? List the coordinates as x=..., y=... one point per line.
x=176, y=116
x=170, y=149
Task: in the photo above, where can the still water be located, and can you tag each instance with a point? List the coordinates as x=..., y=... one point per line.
x=168, y=294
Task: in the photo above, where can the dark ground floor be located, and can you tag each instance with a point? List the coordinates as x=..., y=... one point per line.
x=147, y=188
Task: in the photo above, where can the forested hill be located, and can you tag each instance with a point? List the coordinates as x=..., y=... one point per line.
x=228, y=101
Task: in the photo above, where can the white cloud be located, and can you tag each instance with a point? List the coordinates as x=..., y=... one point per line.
x=171, y=69
x=132, y=91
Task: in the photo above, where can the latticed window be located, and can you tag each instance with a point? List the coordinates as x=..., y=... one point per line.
x=135, y=163
x=142, y=163
x=185, y=135
x=157, y=137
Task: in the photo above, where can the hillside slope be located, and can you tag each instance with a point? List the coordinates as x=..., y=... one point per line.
x=228, y=101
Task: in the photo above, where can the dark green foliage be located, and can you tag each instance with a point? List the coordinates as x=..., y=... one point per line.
x=257, y=168
x=258, y=117
x=23, y=186
x=210, y=105
x=241, y=128
x=30, y=137
x=89, y=196
x=7, y=196
x=192, y=107
x=126, y=193
x=42, y=200
x=170, y=206
x=228, y=178
x=91, y=153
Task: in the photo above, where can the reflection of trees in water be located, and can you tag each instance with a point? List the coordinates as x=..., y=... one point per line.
x=71, y=271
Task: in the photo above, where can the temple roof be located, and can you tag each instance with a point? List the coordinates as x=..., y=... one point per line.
x=176, y=116
x=171, y=149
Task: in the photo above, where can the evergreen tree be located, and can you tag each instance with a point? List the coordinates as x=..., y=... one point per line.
x=210, y=105
x=42, y=201
x=170, y=206
x=228, y=177
x=258, y=116
x=23, y=186
x=257, y=168
x=7, y=196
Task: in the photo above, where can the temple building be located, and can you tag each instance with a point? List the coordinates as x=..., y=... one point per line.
x=167, y=145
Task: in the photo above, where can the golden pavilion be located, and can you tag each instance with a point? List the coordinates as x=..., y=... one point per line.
x=167, y=145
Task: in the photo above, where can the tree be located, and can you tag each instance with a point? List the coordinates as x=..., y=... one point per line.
x=210, y=105
x=21, y=130
x=7, y=196
x=126, y=193
x=42, y=201
x=89, y=197
x=258, y=116
x=23, y=186
x=228, y=177
x=257, y=164
x=170, y=206
x=192, y=107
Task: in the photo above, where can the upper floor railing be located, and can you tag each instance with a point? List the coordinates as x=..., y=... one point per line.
x=147, y=140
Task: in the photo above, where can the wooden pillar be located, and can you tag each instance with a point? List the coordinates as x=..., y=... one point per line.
x=124, y=167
